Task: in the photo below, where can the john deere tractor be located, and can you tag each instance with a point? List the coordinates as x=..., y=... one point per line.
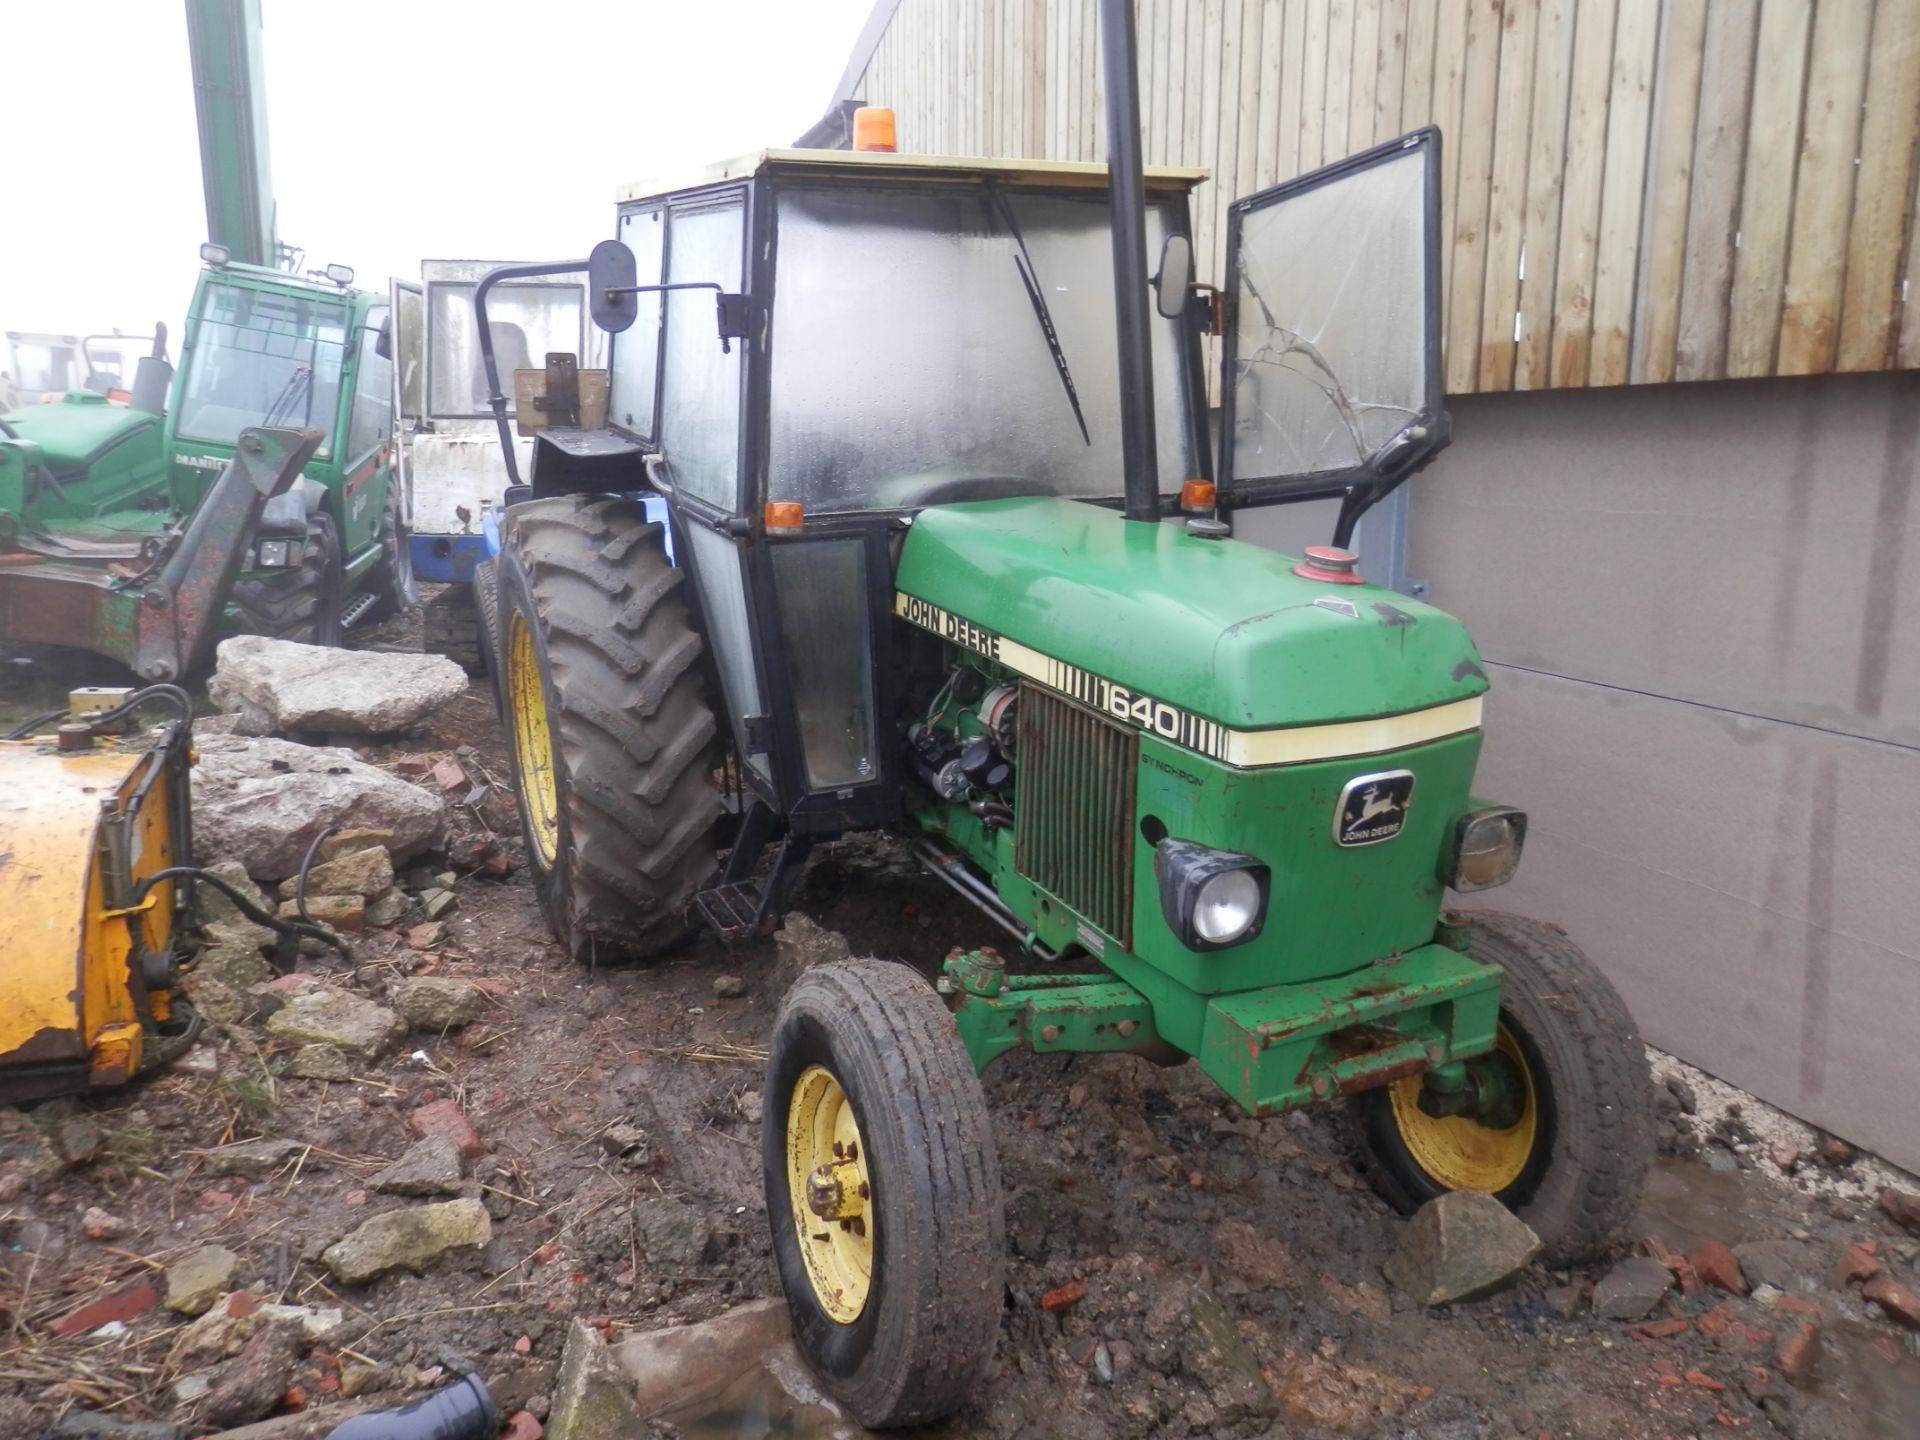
x=956, y=560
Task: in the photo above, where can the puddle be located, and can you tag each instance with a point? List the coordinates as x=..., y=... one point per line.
x=775, y=1398
x=1686, y=1202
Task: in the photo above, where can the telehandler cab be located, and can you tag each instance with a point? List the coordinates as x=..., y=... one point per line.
x=959, y=564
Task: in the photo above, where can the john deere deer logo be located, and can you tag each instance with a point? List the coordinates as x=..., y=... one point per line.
x=1373, y=808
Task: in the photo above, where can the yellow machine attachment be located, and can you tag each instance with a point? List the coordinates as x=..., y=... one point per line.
x=86, y=958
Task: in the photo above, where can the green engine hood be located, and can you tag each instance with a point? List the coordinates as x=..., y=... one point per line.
x=76, y=431
x=1221, y=628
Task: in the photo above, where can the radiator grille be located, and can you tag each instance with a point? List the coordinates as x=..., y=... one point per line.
x=1074, y=808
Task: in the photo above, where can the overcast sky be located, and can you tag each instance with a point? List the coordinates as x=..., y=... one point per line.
x=399, y=130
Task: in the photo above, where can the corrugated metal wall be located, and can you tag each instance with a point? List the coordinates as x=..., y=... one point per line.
x=1637, y=190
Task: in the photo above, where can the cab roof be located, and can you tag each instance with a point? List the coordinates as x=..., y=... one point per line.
x=882, y=165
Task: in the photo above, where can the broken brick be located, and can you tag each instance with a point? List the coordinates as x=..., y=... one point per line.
x=443, y=1117
x=1860, y=1262
x=523, y=1426
x=1665, y=1329
x=1716, y=1264
x=448, y=775
x=1063, y=1296
x=127, y=1302
x=1900, y=1303
x=1704, y=1380
x=1799, y=1353
x=1902, y=1207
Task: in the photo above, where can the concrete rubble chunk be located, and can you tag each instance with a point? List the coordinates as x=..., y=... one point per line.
x=692, y=1362
x=211, y=905
x=255, y=1159
x=1212, y=1351
x=433, y=1003
x=367, y=873
x=284, y=685
x=411, y=1239
x=592, y=1399
x=257, y=1379
x=1631, y=1289
x=264, y=800
x=1790, y=1265
x=320, y=1062
x=351, y=842
x=335, y=1017
x=342, y=914
x=433, y=1166
x=389, y=909
x=1460, y=1246
x=195, y=1282
x=670, y=1233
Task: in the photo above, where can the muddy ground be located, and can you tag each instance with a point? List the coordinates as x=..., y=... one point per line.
x=1142, y=1183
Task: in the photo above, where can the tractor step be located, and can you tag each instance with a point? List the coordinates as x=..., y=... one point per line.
x=355, y=610
x=732, y=910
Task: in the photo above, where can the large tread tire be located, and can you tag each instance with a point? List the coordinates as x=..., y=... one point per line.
x=924, y=1340
x=1594, y=1143
x=394, y=587
x=631, y=730
x=300, y=603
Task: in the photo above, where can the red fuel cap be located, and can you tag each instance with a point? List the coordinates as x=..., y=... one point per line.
x=1336, y=567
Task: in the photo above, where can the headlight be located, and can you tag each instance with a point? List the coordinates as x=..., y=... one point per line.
x=1211, y=898
x=1486, y=848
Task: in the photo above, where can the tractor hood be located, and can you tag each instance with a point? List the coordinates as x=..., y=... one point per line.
x=74, y=432
x=1221, y=628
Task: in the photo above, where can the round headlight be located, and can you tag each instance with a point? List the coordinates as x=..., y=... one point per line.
x=1226, y=905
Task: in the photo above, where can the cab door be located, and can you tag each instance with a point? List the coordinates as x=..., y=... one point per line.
x=1331, y=360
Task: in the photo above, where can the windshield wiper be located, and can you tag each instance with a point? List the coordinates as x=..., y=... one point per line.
x=1023, y=262
x=299, y=383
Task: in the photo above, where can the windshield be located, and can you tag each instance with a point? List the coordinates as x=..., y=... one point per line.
x=923, y=353
x=262, y=358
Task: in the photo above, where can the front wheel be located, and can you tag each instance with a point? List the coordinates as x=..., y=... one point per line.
x=1566, y=1139
x=393, y=585
x=883, y=1193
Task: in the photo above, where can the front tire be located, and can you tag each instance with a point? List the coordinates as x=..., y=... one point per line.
x=299, y=603
x=608, y=724
x=393, y=584
x=1573, y=1162
x=873, y=1113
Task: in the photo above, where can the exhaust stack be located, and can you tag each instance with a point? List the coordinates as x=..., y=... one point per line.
x=1139, y=444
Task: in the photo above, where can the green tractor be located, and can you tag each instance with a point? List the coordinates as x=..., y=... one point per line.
x=97, y=497
x=955, y=563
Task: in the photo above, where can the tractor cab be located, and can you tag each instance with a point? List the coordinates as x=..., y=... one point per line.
x=817, y=352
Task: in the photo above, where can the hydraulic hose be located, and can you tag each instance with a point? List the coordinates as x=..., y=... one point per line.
x=462, y=1411
x=241, y=903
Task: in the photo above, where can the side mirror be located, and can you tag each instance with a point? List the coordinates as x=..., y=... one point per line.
x=383, y=341
x=611, y=275
x=1170, y=286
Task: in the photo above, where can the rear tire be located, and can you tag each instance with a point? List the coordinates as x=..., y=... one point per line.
x=1584, y=1142
x=609, y=728
x=897, y=1311
x=299, y=603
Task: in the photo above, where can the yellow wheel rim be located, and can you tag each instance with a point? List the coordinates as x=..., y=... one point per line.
x=532, y=740
x=832, y=1198
x=1458, y=1151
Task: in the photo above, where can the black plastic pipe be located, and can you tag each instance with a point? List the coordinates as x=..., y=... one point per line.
x=1139, y=445
x=463, y=1411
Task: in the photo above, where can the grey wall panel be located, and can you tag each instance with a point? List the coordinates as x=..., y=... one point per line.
x=1744, y=544
x=1749, y=885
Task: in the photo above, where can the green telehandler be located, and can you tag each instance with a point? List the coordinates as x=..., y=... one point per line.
x=97, y=495
x=956, y=560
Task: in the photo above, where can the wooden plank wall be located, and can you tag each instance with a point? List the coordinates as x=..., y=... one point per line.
x=1635, y=190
